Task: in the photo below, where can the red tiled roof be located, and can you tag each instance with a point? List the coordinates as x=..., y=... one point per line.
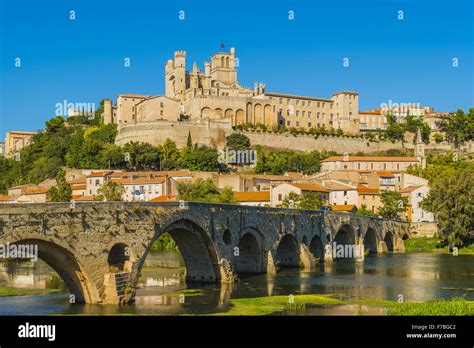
x=410, y=188
x=255, y=196
x=309, y=187
x=164, y=198
x=365, y=190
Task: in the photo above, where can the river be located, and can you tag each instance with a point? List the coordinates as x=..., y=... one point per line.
x=417, y=277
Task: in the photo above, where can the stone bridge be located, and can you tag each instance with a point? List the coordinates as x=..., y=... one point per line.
x=99, y=248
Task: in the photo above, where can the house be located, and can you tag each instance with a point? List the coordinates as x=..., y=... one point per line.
x=369, y=197
x=6, y=199
x=78, y=186
x=255, y=199
x=29, y=193
x=95, y=180
x=278, y=193
x=142, y=188
x=341, y=193
x=415, y=195
x=368, y=163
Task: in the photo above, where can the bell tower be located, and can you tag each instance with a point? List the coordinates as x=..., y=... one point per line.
x=420, y=149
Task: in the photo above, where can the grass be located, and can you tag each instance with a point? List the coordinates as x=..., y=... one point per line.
x=453, y=307
x=432, y=244
x=272, y=304
x=422, y=245
x=8, y=292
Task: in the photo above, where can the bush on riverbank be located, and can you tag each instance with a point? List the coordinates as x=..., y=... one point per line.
x=455, y=306
x=432, y=244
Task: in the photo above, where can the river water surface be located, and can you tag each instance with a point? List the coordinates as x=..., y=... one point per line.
x=417, y=277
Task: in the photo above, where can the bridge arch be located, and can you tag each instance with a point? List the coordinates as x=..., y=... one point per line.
x=63, y=262
x=250, y=258
x=196, y=247
x=389, y=239
x=370, y=241
x=287, y=254
x=345, y=235
x=119, y=258
x=316, y=248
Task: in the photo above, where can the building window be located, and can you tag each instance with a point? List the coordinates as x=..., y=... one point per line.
x=297, y=123
x=281, y=100
x=318, y=115
x=297, y=102
x=309, y=114
x=280, y=197
x=302, y=103
x=274, y=108
x=309, y=102
x=345, y=193
x=309, y=124
x=288, y=123
x=318, y=104
x=297, y=112
x=302, y=113
x=97, y=182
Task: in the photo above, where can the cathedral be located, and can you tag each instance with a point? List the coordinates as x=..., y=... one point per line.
x=213, y=96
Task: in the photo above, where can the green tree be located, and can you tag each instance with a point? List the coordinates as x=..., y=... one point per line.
x=201, y=158
x=438, y=138
x=452, y=202
x=307, y=200
x=189, y=143
x=364, y=211
x=395, y=131
x=238, y=141
x=111, y=191
x=458, y=126
x=62, y=192
x=204, y=191
x=394, y=204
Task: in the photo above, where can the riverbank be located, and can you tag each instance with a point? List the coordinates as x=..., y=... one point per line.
x=433, y=245
x=301, y=304
x=9, y=292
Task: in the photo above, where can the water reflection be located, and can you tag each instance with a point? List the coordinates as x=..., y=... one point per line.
x=163, y=289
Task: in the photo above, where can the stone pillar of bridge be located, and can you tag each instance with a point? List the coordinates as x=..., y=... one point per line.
x=226, y=270
x=307, y=257
x=398, y=245
x=271, y=266
x=382, y=247
x=328, y=252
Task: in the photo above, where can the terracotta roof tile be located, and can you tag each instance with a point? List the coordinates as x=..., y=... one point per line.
x=255, y=196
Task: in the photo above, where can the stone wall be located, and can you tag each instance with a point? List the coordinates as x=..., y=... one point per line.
x=328, y=143
x=204, y=132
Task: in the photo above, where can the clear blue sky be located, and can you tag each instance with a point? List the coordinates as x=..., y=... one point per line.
x=82, y=60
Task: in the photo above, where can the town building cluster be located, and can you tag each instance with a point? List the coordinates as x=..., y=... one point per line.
x=345, y=184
